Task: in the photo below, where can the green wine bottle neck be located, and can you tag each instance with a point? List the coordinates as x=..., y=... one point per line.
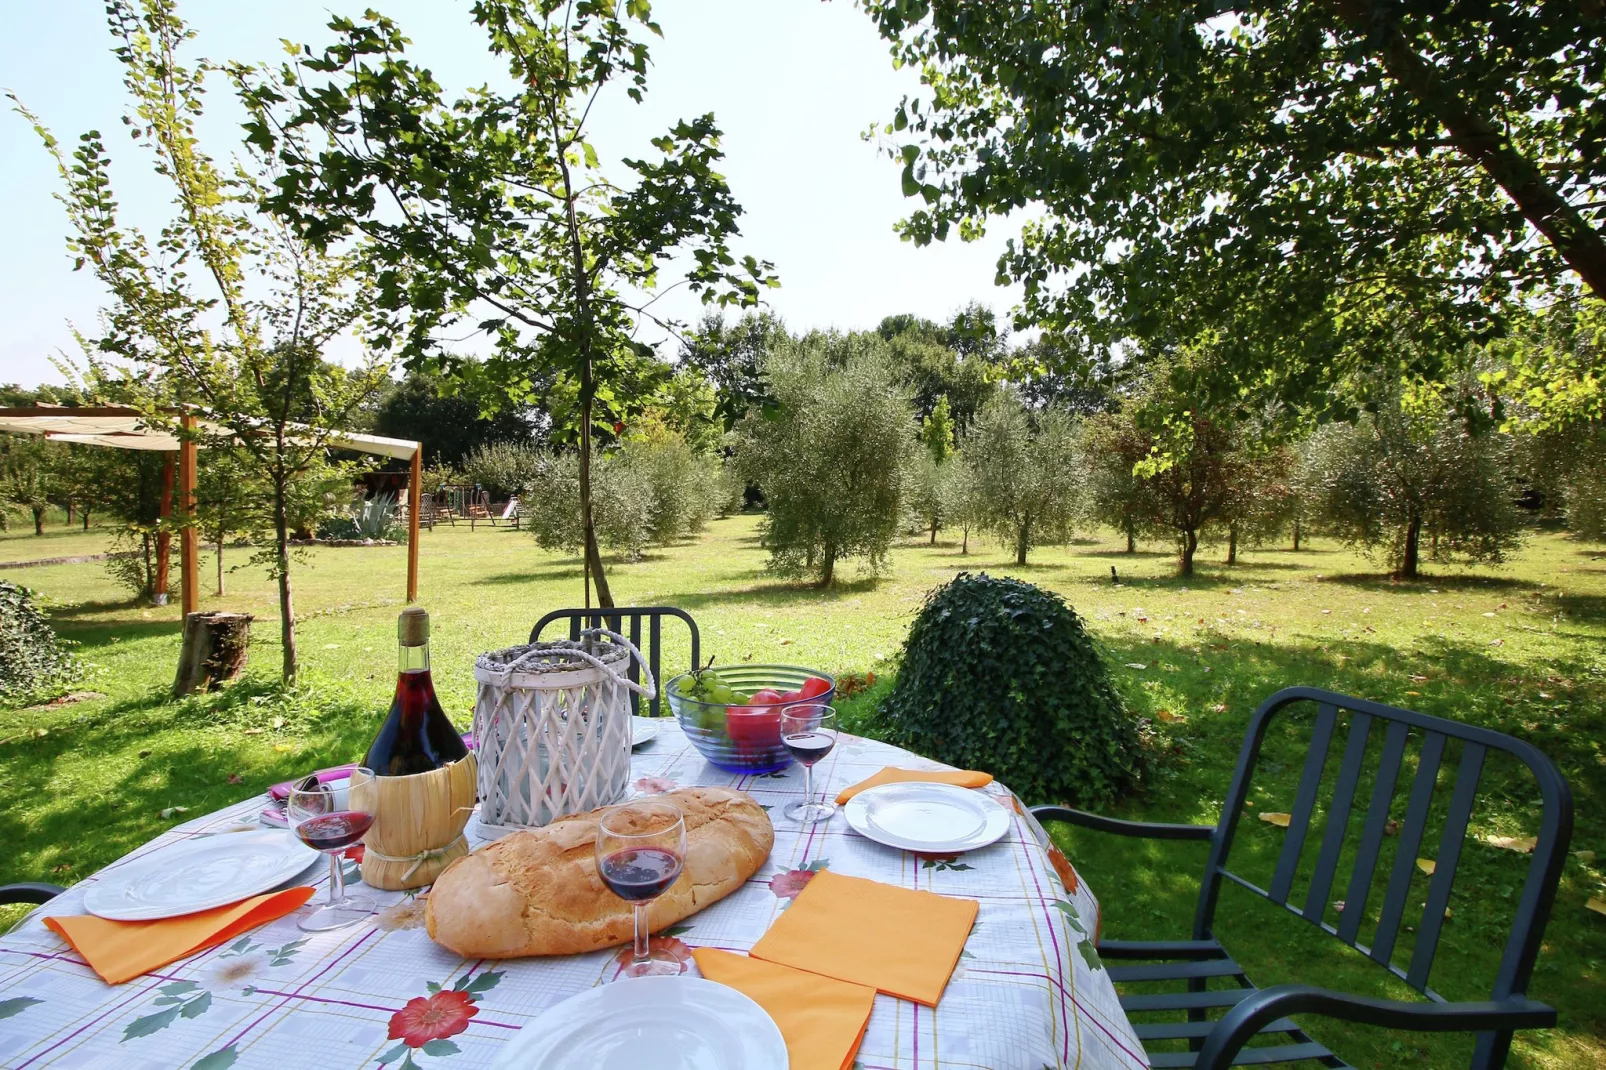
x=413, y=658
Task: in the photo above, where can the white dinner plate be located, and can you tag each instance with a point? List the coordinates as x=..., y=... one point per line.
x=198, y=874
x=644, y=728
x=932, y=818
x=649, y=1023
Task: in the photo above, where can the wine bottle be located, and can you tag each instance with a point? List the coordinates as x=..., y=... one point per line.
x=417, y=736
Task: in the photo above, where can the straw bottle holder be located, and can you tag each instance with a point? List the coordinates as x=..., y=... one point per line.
x=418, y=824
x=552, y=729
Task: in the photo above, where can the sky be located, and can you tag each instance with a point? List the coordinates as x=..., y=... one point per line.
x=793, y=83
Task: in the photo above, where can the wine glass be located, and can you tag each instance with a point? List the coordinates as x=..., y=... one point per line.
x=809, y=732
x=328, y=822
x=641, y=849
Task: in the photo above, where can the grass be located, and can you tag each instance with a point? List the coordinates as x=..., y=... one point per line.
x=1519, y=649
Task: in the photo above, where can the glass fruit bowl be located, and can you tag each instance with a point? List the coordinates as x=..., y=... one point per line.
x=732, y=730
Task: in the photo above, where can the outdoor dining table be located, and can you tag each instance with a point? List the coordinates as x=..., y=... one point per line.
x=1029, y=992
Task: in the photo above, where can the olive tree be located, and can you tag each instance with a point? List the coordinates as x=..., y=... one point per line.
x=832, y=457
x=1415, y=477
x=1028, y=478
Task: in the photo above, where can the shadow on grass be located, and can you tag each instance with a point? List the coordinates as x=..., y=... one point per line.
x=773, y=594
x=1445, y=584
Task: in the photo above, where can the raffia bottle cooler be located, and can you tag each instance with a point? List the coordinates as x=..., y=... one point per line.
x=422, y=794
x=552, y=728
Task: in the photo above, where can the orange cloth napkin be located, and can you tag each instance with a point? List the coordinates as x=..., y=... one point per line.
x=964, y=778
x=897, y=941
x=822, y=1021
x=121, y=950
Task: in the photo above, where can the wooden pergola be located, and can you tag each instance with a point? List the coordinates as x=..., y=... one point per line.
x=128, y=429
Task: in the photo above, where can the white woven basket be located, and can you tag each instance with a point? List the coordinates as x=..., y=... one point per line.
x=552, y=729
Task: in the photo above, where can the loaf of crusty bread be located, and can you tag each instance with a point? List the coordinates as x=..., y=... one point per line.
x=537, y=892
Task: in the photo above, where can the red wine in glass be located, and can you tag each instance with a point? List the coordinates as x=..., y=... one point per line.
x=334, y=831
x=809, y=747
x=636, y=874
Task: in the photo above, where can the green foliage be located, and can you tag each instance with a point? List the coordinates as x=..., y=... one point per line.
x=448, y=416
x=373, y=518
x=683, y=487
x=225, y=310
x=831, y=457
x=33, y=661
x=1414, y=478
x=621, y=503
x=731, y=359
x=1027, y=478
x=1001, y=676
x=497, y=216
x=1289, y=175
x=937, y=431
x=503, y=468
x=28, y=475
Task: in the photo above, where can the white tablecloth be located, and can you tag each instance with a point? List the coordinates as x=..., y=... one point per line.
x=1028, y=993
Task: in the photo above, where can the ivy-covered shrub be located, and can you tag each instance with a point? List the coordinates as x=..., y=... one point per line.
x=32, y=659
x=999, y=675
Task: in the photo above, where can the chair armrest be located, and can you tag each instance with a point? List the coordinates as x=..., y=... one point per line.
x=1246, y=1019
x=1148, y=829
x=29, y=893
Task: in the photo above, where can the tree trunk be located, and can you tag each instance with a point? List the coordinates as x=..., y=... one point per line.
x=933, y=541
x=1131, y=540
x=1232, y=544
x=69, y=512
x=84, y=512
x=964, y=544
x=828, y=566
x=38, y=520
x=1296, y=534
x=1413, y=549
x=287, y=613
x=220, y=563
x=164, y=538
x=1481, y=140
x=215, y=649
x=1190, y=543
x=1022, y=537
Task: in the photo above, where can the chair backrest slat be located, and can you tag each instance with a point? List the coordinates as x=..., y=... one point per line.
x=1349, y=774
x=1377, y=820
x=614, y=620
x=1323, y=793
x=1416, y=820
x=1449, y=856
x=1304, y=802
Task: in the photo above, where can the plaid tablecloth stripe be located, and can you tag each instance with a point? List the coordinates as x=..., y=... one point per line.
x=1028, y=992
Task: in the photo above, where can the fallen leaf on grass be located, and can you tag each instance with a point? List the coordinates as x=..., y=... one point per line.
x=1586, y=857
x=1220, y=707
x=1417, y=678
x=278, y=722
x=1497, y=642
x=169, y=811
x=1136, y=665
x=1488, y=614
x=1417, y=693
x=1391, y=827
x=1522, y=844
x=63, y=868
x=1171, y=718
x=1597, y=905
x=236, y=778
x=253, y=732
x=283, y=748
x=1278, y=819
x=1427, y=865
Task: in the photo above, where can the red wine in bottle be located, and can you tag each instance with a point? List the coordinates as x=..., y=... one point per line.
x=417, y=736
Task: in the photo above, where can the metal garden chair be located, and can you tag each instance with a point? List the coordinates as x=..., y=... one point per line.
x=28, y=893
x=634, y=615
x=1304, y=889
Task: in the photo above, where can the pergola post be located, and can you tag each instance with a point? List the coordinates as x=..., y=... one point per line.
x=415, y=481
x=190, y=537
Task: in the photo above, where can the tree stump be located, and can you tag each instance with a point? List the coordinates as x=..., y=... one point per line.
x=215, y=649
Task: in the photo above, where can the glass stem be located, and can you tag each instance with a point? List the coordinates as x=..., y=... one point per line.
x=641, y=933
x=337, y=879
x=808, y=786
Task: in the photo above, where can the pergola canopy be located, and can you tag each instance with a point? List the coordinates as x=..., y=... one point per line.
x=128, y=429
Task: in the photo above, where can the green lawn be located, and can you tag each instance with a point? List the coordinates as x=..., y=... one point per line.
x=1519, y=649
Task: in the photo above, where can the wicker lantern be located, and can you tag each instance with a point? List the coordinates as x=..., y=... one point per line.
x=552, y=729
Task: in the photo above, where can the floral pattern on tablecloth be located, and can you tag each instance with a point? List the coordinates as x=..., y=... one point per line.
x=1029, y=991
